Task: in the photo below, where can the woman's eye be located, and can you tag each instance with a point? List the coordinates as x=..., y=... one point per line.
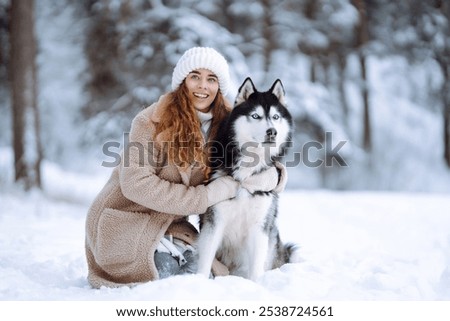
x=212, y=80
x=276, y=116
x=195, y=77
x=255, y=116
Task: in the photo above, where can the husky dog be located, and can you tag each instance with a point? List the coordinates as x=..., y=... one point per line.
x=242, y=232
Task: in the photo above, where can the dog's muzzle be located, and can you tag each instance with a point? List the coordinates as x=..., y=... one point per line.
x=271, y=135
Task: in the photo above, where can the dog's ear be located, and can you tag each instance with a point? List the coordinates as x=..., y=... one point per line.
x=278, y=90
x=246, y=89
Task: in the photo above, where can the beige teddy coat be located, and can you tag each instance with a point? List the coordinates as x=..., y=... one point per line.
x=141, y=202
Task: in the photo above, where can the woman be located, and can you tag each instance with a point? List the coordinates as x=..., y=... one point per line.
x=136, y=228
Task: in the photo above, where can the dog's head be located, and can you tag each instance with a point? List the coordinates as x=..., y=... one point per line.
x=262, y=118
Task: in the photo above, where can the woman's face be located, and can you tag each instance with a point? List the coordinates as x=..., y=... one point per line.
x=202, y=86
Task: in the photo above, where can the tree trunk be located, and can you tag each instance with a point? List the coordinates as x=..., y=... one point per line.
x=367, y=136
x=26, y=138
x=362, y=38
x=445, y=94
x=267, y=33
x=447, y=134
x=342, y=65
x=444, y=62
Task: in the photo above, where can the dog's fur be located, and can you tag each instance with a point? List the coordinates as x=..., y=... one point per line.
x=242, y=232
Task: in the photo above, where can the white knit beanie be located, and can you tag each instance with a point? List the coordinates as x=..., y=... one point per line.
x=206, y=58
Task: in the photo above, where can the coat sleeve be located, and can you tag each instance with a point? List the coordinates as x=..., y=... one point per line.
x=283, y=176
x=140, y=183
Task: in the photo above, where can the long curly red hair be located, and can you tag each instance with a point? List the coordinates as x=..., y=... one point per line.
x=179, y=119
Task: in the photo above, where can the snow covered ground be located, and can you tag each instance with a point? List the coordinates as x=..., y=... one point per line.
x=354, y=246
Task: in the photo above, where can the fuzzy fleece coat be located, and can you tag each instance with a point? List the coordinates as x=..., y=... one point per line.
x=141, y=202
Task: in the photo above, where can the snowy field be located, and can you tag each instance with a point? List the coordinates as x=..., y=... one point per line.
x=354, y=246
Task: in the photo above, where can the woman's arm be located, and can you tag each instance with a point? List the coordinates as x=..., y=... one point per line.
x=140, y=183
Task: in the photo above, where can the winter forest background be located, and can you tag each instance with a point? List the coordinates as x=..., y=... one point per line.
x=375, y=74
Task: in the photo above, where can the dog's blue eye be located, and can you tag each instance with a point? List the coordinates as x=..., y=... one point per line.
x=276, y=116
x=255, y=116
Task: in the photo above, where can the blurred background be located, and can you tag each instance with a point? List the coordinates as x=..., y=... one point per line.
x=373, y=74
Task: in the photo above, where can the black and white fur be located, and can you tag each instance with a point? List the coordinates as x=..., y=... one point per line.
x=242, y=232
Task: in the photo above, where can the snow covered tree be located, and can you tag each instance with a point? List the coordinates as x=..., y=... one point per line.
x=419, y=31
x=432, y=25
x=27, y=145
x=132, y=47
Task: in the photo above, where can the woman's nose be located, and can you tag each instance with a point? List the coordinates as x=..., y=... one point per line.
x=202, y=83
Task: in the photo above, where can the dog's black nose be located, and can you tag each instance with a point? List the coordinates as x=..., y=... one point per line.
x=271, y=132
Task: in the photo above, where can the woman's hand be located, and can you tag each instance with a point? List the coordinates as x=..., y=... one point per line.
x=264, y=181
x=273, y=180
x=221, y=189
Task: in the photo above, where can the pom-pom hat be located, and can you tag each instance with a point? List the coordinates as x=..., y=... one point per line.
x=202, y=58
